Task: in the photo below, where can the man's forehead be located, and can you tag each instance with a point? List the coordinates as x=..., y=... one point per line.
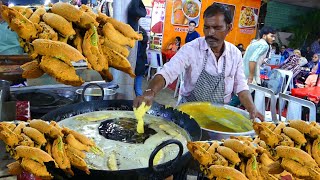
x=216, y=19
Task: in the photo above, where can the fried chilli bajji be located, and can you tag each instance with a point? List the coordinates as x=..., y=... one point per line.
x=266, y=134
x=36, y=16
x=224, y=172
x=33, y=153
x=47, y=32
x=117, y=61
x=58, y=50
x=294, y=167
x=200, y=154
x=305, y=128
x=35, y=168
x=8, y=136
x=59, y=23
x=19, y=23
x=67, y=11
x=26, y=12
x=35, y=135
x=45, y=128
x=88, y=10
x=72, y=141
x=252, y=169
x=297, y=155
x=86, y=20
x=116, y=47
x=295, y=135
x=80, y=137
x=111, y=33
x=78, y=162
x=279, y=128
x=229, y=154
x=31, y=70
x=19, y=127
x=26, y=141
x=239, y=147
x=60, y=70
x=59, y=154
x=75, y=151
x=91, y=49
x=125, y=29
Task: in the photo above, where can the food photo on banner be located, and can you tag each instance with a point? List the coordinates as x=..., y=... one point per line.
x=248, y=19
x=184, y=11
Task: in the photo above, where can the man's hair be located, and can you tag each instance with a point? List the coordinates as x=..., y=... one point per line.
x=217, y=8
x=266, y=30
x=193, y=23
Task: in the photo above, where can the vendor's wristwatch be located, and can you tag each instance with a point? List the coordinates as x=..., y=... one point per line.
x=151, y=90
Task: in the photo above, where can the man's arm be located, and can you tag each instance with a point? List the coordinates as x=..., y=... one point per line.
x=252, y=71
x=156, y=85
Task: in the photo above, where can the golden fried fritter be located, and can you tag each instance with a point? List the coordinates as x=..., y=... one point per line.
x=239, y=147
x=26, y=141
x=35, y=168
x=8, y=136
x=45, y=128
x=86, y=20
x=80, y=137
x=295, y=135
x=279, y=128
x=116, y=47
x=26, y=12
x=305, y=128
x=88, y=10
x=265, y=160
x=111, y=33
x=59, y=23
x=78, y=41
x=125, y=29
x=59, y=154
x=117, y=61
x=296, y=154
x=75, y=151
x=252, y=169
x=58, y=50
x=72, y=141
x=19, y=127
x=229, y=154
x=91, y=49
x=36, y=16
x=35, y=135
x=77, y=161
x=19, y=23
x=33, y=153
x=106, y=75
x=266, y=134
x=47, y=32
x=68, y=11
x=200, y=154
x=31, y=70
x=224, y=172
x=60, y=70
x=286, y=141
x=294, y=167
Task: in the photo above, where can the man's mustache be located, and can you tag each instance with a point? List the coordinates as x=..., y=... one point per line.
x=211, y=38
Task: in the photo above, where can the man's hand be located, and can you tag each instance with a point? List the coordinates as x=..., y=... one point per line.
x=147, y=97
x=256, y=114
x=250, y=80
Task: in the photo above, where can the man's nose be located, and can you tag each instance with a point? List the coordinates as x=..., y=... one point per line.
x=211, y=31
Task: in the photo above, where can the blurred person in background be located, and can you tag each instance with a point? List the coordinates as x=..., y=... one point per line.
x=256, y=54
x=140, y=63
x=171, y=49
x=315, y=46
x=240, y=47
x=9, y=40
x=313, y=64
x=292, y=64
x=192, y=33
x=275, y=48
x=303, y=61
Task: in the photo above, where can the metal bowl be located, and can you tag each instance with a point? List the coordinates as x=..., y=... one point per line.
x=95, y=93
x=209, y=134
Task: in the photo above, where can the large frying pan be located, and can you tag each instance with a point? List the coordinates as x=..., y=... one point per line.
x=161, y=171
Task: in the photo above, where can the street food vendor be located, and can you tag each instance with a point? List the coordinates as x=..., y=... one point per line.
x=9, y=44
x=213, y=67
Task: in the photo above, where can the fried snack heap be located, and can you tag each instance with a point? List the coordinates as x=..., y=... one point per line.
x=66, y=34
x=279, y=152
x=38, y=142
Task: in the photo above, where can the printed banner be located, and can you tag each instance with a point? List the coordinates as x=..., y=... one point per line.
x=184, y=11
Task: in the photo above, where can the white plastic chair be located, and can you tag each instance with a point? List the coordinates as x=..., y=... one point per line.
x=259, y=101
x=287, y=80
x=155, y=61
x=294, y=109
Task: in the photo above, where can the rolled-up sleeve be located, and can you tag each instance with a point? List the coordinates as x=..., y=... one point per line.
x=178, y=63
x=258, y=52
x=240, y=82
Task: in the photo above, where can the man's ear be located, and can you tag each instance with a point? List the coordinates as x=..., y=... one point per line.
x=229, y=27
